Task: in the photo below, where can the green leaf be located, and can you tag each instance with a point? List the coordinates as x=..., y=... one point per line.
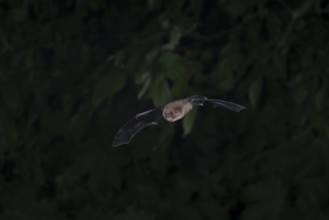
x=19, y=14
x=77, y=124
x=154, y=5
x=132, y=212
x=188, y=121
x=160, y=162
x=11, y=96
x=172, y=65
x=321, y=98
x=175, y=36
x=23, y=203
x=107, y=86
x=160, y=92
x=12, y=133
x=299, y=94
x=255, y=92
x=206, y=55
x=151, y=56
x=55, y=122
x=305, y=6
x=226, y=78
x=265, y=198
x=145, y=79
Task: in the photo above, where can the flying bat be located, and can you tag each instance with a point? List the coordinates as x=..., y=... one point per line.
x=171, y=112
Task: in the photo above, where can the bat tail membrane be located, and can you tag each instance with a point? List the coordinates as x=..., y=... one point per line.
x=225, y=104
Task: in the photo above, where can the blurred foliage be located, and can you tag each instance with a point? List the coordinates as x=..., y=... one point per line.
x=72, y=72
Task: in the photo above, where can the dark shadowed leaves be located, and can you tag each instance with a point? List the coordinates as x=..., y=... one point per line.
x=188, y=121
x=107, y=86
x=72, y=72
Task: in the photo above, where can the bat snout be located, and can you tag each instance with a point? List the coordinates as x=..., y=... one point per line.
x=170, y=118
x=173, y=116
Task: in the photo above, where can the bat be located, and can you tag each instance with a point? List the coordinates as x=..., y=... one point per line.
x=171, y=112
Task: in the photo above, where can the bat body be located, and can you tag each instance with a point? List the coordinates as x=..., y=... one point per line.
x=171, y=112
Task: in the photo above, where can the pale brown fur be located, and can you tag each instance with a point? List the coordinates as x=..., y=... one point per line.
x=176, y=110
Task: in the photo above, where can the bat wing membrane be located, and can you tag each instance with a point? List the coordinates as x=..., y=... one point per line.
x=225, y=104
x=200, y=100
x=136, y=124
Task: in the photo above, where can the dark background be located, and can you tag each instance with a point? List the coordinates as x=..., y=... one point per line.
x=73, y=72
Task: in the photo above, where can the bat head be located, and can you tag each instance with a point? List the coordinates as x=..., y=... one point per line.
x=176, y=110
x=173, y=114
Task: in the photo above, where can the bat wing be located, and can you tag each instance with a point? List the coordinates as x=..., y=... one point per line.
x=200, y=100
x=134, y=125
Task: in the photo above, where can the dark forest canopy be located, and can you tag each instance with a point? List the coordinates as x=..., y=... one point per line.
x=72, y=72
